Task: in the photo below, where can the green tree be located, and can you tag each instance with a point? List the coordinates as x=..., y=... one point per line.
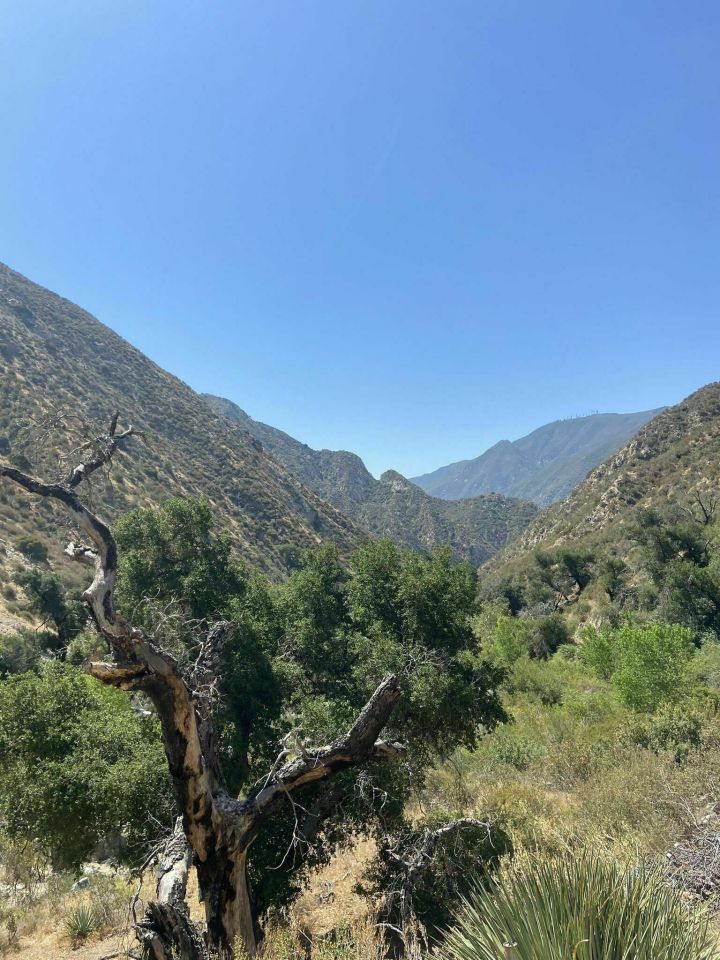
x=79, y=766
x=323, y=640
x=652, y=664
x=412, y=674
x=171, y=558
x=52, y=601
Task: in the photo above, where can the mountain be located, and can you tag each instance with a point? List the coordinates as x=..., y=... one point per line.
x=337, y=476
x=544, y=466
x=475, y=528
x=57, y=362
x=673, y=456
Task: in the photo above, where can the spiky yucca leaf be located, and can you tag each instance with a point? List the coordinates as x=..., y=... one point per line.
x=80, y=923
x=585, y=908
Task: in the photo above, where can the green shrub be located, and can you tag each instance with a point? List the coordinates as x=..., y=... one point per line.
x=507, y=640
x=19, y=652
x=79, y=766
x=538, y=681
x=648, y=665
x=586, y=908
x=652, y=664
x=673, y=728
x=547, y=635
x=32, y=548
x=80, y=923
x=598, y=650
x=516, y=751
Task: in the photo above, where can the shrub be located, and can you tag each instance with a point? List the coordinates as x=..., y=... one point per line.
x=19, y=652
x=32, y=548
x=587, y=908
x=547, y=635
x=516, y=751
x=98, y=770
x=652, y=664
x=598, y=650
x=538, y=681
x=507, y=640
x=673, y=728
x=648, y=665
x=80, y=923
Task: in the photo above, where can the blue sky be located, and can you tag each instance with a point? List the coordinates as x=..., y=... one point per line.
x=400, y=227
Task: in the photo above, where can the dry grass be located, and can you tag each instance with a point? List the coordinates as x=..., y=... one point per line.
x=329, y=904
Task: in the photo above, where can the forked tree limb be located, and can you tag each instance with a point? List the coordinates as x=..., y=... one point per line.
x=218, y=828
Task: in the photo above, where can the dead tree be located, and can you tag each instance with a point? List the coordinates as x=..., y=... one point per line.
x=215, y=830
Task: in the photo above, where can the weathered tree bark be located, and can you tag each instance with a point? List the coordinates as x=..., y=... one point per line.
x=217, y=830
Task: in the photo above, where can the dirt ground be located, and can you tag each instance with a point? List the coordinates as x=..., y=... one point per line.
x=329, y=901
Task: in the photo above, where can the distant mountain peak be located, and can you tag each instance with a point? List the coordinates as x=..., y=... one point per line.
x=543, y=466
x=396, y=480
x=392, y=506
x=674, y=455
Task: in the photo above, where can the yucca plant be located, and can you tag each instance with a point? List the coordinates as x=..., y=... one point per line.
x=584, y=908
x=80, y=923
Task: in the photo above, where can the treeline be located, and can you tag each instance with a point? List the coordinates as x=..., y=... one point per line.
x=534, y=703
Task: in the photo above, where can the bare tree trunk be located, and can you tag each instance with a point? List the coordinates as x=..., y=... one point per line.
x=217, y=830
x=224, y=890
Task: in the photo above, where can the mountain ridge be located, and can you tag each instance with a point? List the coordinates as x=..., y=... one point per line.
x=58, y=362
x=544, y=465
x=659, y=468
x=393, y=506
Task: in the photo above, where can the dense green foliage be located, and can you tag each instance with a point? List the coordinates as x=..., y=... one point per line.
x=648, y=665
x=584, y=908
x=172, y=564
x=79, y=766
x=51, y=600
x=302, y=659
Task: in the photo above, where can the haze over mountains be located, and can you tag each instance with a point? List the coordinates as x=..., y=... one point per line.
x=543, y=466
x=474, y=528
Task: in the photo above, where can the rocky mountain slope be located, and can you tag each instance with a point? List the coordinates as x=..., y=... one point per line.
x=338, y=476
x=475, y=528
x=673, y=456
x=57, y=361
x=544, y=466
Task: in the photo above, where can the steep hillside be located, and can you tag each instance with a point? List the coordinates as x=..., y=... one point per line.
x=674, y=455
x=544, y=466
x=392, y=506
x=338, y=476
x=56, y=359
x=475, y=528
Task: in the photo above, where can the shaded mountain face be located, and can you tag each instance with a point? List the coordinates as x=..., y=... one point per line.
x=544, y=466
x=57, y=359
x=667, y=471
x=675, y=454
x=475, y=529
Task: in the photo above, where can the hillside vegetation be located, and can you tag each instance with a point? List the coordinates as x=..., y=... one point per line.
x=551, y=739
x=665, y=466
x=544, y=466
x=394, y=507
x=57, y=361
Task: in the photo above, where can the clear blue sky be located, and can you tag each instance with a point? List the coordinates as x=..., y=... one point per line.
x=403, y=227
